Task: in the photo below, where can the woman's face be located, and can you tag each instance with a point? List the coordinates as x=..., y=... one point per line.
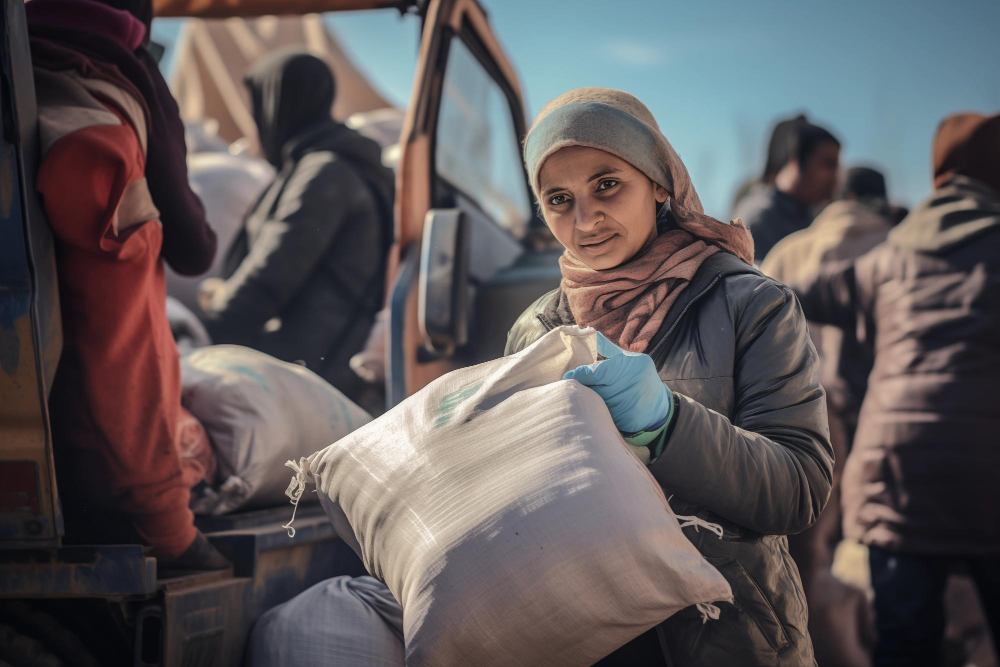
x=599, y=206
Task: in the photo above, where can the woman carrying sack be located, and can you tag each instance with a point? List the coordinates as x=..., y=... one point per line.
x=710, y=373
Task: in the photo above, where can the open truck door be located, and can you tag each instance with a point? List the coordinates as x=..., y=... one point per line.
x=30, y=326
x=466, y=260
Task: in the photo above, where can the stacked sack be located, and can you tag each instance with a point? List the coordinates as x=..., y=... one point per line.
x=259, y=411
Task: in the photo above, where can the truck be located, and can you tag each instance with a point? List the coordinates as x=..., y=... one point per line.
x=469, y=254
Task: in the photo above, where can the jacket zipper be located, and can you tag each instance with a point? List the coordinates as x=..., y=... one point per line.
x=690, y=303
x=545, y=323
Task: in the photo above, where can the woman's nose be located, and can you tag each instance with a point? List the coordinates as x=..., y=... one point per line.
x=588, y=217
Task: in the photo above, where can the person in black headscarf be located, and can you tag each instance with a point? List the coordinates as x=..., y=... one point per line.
x=305, y=276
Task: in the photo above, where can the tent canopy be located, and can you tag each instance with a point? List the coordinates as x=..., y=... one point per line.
x=213, y=58
x=228, y=8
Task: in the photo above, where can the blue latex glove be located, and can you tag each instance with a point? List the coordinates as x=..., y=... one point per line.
x=627, y=381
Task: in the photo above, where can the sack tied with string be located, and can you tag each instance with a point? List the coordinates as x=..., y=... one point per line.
x=505, y=512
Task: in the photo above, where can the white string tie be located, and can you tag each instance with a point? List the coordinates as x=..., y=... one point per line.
x=708, y=611
x=296, y=488
x=696, y=522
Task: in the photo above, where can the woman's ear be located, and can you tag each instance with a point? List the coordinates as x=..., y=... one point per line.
x=660, y=193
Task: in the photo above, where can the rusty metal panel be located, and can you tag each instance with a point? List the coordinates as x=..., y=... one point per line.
x=208, y=617
x=207, y=626
x=110, y=571
x=30, y=331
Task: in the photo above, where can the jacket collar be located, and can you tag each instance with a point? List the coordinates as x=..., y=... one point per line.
x=314, y=137
x=851, y=217
x=960, y=210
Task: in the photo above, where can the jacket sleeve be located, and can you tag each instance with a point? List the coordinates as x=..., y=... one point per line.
x=83, y=211
x=527, y=327
x=770, y=469
x=189, y=242
x=317, y=201
x=840, y=293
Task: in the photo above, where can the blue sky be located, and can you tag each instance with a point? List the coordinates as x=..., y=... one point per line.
x=716, y=73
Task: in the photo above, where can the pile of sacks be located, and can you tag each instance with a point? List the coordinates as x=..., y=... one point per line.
x=504, y=512
x=257, y=412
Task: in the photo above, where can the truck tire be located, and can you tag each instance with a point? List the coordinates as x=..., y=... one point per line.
x=18, y=650
x=32, y=626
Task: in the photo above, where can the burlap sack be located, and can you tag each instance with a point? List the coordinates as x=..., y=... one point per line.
x=340, y=622
x=259, y=411
x=504, y=511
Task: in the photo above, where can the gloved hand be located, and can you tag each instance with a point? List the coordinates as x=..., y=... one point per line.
x=627, y=381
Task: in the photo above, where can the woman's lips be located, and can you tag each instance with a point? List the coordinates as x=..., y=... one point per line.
x=601, y=247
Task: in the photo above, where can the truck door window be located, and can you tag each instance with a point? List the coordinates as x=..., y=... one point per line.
x=477, y=149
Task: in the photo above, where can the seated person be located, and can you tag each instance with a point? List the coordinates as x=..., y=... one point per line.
x=115, y=402
x=306, y=275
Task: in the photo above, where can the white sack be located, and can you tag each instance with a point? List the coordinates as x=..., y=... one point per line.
x=341, y=622
x=259, y=412
x=504, y=511
x=189, y=332
x=228, y=186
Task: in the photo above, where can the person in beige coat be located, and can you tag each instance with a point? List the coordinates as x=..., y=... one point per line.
x=840, y=618
x=846, y=229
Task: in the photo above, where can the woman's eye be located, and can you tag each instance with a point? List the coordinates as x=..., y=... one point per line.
x=558, y=200
x=606, y=184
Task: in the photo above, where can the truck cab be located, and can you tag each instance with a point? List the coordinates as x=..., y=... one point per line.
x=469, y=254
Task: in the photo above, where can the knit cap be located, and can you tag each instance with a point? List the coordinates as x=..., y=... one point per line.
x=615, y=122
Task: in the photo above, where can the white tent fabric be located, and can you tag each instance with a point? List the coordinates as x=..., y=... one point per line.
x=214, y=56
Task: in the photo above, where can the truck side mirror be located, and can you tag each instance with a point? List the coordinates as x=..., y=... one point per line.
x=443, y=283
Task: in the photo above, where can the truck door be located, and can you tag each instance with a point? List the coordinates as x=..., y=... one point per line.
x=470, y=252
x=30, y=328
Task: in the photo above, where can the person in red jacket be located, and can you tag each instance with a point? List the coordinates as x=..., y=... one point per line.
x=115, y=401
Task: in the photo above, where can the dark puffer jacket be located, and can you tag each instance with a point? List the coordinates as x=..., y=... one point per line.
x=749, y=449
x=922, y=476
x=305, y=276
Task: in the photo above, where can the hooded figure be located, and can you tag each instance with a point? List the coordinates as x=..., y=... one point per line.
x=289, y=92
x=710, y=373
x=305, y=276
x=920, y=485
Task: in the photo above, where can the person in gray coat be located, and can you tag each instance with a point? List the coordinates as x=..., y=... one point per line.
x=304, y=278
x=711, y=375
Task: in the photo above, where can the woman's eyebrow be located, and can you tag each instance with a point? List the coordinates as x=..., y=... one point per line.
x=601, y=173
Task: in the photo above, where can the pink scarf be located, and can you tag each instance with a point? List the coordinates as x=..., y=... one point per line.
x=628, y=303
